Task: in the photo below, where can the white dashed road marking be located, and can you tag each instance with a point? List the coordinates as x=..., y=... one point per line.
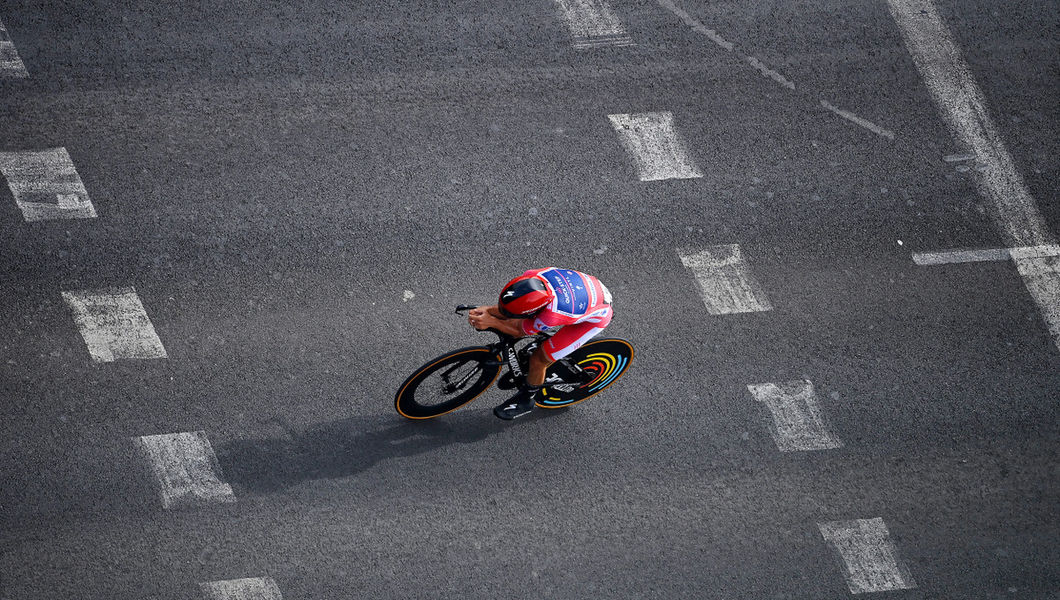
x=593, y=24
x=10, y=64
x=870, y=558
x=46, y=185
x=867, y=124
x=944, y=257
x=954, y=90
x=696, y=26
x=770, y=73
x=797, y=420
x=254, y=588
x=724, y=279
x=114, y=324
x=1041, y=275
x=186, y=468
x=653, y=144
x=764, y=69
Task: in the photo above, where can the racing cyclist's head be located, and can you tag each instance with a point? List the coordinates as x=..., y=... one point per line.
x=524, y=297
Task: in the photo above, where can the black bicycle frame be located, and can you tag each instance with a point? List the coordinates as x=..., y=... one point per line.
x=505, y=349
x=518, y=361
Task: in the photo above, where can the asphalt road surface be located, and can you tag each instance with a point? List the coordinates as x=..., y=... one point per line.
x=297, y=194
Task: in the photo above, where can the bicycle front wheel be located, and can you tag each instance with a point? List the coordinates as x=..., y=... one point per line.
x=447, y=383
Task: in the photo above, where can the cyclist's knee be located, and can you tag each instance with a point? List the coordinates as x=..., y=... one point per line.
x=540, y=357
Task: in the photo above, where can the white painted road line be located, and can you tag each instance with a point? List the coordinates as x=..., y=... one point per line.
x=186, y=468
x=254, y=588
x=1041, y=275
x=10, y=64
x=724, y=279
x=715, y=37
x=962, y=104
x=1039, y=266
x=764, y=69
x=114, y=324
x=871, y=560
x=867, y=124
x=945, y=257
x=1034, y=251
x=46, y=185
x=770, y=73
x=696, y=26
x=797, y=424
x=593, y=24
x=653, y=144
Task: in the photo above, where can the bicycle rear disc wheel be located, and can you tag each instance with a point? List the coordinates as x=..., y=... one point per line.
x=605, y=360
x=447, y=383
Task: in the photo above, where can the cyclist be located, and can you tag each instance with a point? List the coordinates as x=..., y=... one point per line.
x=568, y=306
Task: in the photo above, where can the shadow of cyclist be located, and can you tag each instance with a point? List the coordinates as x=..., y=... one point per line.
x=347, y=447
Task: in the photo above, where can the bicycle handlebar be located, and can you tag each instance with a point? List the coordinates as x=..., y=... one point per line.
x=466, y=307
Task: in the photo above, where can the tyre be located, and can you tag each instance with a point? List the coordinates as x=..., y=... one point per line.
x=604, y=360
x=447, y=383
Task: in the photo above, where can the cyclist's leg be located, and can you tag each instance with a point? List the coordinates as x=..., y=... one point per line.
x=566, y=340
x=570, y=338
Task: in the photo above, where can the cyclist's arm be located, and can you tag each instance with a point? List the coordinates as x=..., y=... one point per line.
x=490, y=317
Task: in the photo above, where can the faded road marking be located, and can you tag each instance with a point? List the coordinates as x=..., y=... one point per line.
x=10, y=64
x=696, y=26
x=724, y=279
x=1041, y=275
x=797, y=424
x=961, y=102
x=46, y=185
x=1039, y=266
x=944, y=257
x=870, y=558
x=114, y=324
x=762, y=68
x=186, y=468
x=652, y=142
x=770, y=73
x=593, y=24
x=849, y=116
x=254, y=588
x=963, y=106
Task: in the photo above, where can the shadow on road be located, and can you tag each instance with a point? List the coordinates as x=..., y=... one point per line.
x=347, y=447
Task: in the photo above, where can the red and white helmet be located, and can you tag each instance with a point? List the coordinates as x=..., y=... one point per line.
x=524, y=296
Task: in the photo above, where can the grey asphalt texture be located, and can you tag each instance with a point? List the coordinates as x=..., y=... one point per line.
x=272, y=177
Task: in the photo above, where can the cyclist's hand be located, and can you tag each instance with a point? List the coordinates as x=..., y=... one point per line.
x=478, y=318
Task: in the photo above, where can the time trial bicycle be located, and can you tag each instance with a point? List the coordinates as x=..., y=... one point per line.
x=458, y=377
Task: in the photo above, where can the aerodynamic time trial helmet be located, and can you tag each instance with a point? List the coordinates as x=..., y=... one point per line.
x=523, y=297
